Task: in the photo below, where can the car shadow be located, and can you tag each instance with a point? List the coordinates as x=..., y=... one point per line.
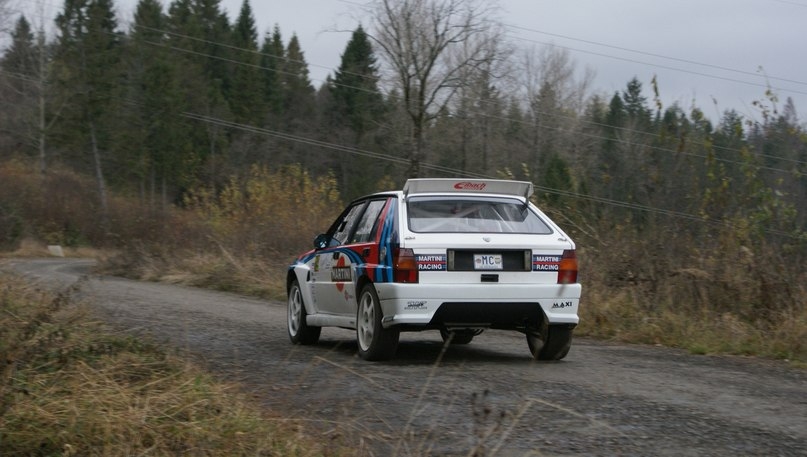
x=429, y=352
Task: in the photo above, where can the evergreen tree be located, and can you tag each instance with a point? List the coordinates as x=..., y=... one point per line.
x=636, y=105
x=355, y=98
x=353, y=110
x=19, y=59
x=272, y=56
x=88, y=54
x=18, y=87
x=556, y=176
x=246, y=93
x=201, y=30
x=298, y=93
x=159, y=139
x=211, y=30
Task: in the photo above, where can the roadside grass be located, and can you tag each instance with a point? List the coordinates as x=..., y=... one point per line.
x=212, y=270
x=628, y=315
x=70, y=387
x=732, y=291
x=684, y=315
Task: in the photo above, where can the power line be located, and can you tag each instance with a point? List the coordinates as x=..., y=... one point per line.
x=457, y=172
x=480, y=113
x=650, y=54
x=617, y=128
x=388, y=94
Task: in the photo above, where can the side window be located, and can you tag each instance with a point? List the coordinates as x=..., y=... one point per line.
x=368, y=223
x=347, y=223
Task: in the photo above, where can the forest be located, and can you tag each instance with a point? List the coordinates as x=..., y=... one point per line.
x=184, y=141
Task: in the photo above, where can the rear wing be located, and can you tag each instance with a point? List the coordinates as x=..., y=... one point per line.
x=521, y=189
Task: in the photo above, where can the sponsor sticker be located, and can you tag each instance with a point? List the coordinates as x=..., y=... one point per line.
x=341, y=274
x=546, y=262
x=468, y=185
x=416, y=305
x=431, y=262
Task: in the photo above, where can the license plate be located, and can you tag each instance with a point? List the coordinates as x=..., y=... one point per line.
x=488, y=262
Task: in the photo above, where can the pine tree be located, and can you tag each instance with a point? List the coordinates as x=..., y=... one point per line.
x=298, y=93
x=19, y=59
x=18, y=90
x=354, y=108
x=211, y=30
x=355, y=98
x=246, y=93
x=159, y=138
x=272, y=56
x=636, y=104
x=88, y=55
x=201, y=33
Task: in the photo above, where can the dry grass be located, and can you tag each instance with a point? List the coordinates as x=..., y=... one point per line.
x=213, y=270
x=725, y=290
x=68, y=388
x=33, y=248
x=724, y=307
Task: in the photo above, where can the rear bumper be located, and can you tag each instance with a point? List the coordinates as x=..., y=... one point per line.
x=477, y=305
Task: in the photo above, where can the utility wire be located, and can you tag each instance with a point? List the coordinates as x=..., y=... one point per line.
x=482, y=114
x=389, y=94
x=457, y=172
x=618, y=128
x=650, y=54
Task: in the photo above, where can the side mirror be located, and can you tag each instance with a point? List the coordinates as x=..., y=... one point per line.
x=321, y=241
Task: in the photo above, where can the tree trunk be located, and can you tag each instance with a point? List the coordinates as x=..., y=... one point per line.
x=99, y=176
x=41, y=83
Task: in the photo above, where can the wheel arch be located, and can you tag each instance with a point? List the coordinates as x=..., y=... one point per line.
x=360, y=284
x=296, y=272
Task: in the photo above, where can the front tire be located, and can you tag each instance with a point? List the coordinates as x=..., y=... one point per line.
x=299, y=330
x=550, y=342
x=375, y=342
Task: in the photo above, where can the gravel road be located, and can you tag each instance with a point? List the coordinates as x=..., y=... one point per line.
x=486, y=398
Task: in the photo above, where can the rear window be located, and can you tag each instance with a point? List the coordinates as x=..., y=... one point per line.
x=469, y=215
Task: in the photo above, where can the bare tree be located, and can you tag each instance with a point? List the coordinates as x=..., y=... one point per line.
x=555, y=99
x=427, y=45
x=32, y=118
x=7, y=14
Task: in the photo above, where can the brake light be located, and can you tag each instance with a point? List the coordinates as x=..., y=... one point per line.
x=404, y=265
x=567, y=273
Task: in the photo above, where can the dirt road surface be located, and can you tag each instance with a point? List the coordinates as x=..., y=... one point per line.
x=486, y=398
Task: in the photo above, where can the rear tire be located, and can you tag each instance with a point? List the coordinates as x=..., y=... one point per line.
x=299, y=330
x=550, y=342
x=375, y=342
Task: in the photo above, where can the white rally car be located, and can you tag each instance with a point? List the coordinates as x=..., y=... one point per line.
x=458, y=256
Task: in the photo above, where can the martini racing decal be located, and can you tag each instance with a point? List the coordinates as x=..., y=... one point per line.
x=546, y=262
x=341, y=274
x=431, y=262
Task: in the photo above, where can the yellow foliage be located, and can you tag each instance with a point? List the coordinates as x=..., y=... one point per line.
x=269, y=211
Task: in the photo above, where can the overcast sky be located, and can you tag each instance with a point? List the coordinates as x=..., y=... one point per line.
x=720, y=53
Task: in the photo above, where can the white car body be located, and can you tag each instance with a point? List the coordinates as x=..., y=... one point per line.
x=456, y=255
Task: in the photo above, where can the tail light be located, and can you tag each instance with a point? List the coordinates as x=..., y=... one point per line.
x=567, y=274
x=404, y=265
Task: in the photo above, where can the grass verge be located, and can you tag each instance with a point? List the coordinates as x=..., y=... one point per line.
x=68, y=387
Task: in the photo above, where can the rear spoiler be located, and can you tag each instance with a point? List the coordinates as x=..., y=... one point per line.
x=521, y=189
